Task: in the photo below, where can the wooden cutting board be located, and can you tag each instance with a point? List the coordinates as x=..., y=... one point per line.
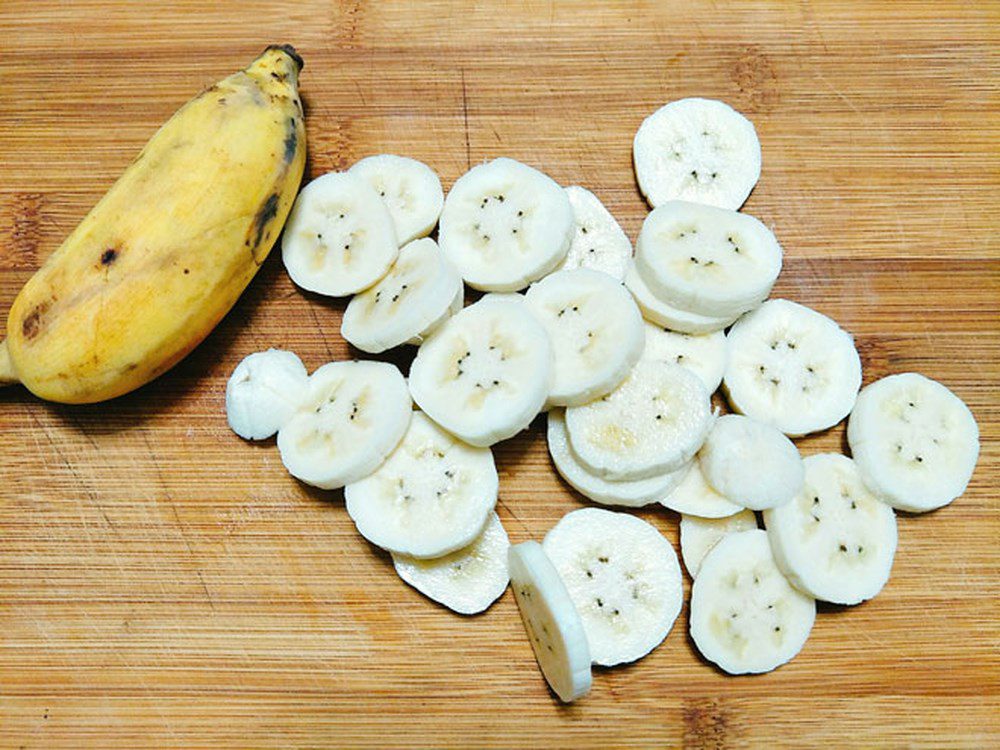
x=163, y=583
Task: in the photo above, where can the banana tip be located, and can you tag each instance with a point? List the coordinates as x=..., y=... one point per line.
x=288, y=50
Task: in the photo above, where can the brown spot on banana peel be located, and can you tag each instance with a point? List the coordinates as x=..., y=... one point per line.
x=32, y=323
x=265, y=215
x=109, y=256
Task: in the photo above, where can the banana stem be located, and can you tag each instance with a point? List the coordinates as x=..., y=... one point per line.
x=8, y=376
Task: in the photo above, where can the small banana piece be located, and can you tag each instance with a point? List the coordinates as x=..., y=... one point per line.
x=669, y=316
x=410, y=190
x=700, y=535
x=599, y=242
x=263, y=393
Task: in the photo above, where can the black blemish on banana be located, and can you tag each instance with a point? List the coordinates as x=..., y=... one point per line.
x=291, y=140
x=264, y=216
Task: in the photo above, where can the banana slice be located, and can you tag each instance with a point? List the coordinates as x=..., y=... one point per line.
x=629, y=494
x=353, y=415
x=653, y=423
x=709, y=260
x=595, y=329
x=835, y=541
x=263, y=393
x=417, y=292
x=467, y=581
x=504, y=225
x=552, y=622
x=339, y=237
x=745, y=616
x=915, y=442
x=623, y=577
x=791, y=367
x=485, y=374
x=599, y=242
x=699, y=535
x=453, y=309
x=410, y=190
x=703, y=354
x=694, y=496
x=751, y=463
x=663, y=314
x=699, y=150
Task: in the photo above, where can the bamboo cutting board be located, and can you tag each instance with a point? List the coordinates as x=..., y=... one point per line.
x=163, y=583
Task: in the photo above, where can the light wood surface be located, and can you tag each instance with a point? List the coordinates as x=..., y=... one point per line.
x=163, y=583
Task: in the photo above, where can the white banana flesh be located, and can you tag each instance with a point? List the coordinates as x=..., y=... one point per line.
x=694, y=496
x=410, y=190
x=700, y=535
x=703, y=354
x=669, y=316
x=263, y=393
x=599, y=243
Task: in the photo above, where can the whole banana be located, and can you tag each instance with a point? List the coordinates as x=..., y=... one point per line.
x=168, y=250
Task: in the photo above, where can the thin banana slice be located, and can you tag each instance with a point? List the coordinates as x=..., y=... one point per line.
x=417, y=292
x=467, y=581
x=554, y=627
x=915, y=442
x=699, y=150
x=595, y=329
x=339, y=238
x=623, y=577
x=835, y=541
x=485, y=374
x=504, y=225
x=410, y=190
x=653, y=423
x=703, y=354
x=457, y=303
x=599, y=242
x=263, y=393
x=699, y=535
x=745, y=616
x=352, y=417
x=750, y=463
x=791, y=367
x=663, y=314
x=694, y=496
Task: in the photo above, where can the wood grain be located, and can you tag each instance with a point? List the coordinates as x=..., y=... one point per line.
x=163, y=583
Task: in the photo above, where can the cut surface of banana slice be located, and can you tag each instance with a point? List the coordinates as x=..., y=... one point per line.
x=703, y=354
x=835, y=541
x=504, y=225
x=467, y=581
x=663, y=314
x=623, y=577
x=457, y=303
x=410, y=190
x=263, y=393
x=694, y=496
x=485, y=374
x=595, y=329
x=791, y=367
x=914, y=441
x=699, y=535
x=339, y=238
x=699, y=150
x=553, y=625
x=352, y=416
x=599, y=242
x=745, y=616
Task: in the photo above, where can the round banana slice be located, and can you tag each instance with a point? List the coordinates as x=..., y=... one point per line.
x=703, y=354
x=751, y=463
x=623, y=577
x=694, y=496
x=467, y=581
x=457, y=303
x=745, y=616
x=339, y=238
x=485, y=374
x=504, y=225
x=352, y=416
x=595, y=329
x=263, y=393
x=663, y=314
x=835, y=541
x=599, y=242
x=416, y=293
x=628, y=494
x=914, y=441
x=699, y=150
x=653, y=423
x=553, y=625
x=410, y=190
x=699, y=535
x=709, y=260
x=791, y=367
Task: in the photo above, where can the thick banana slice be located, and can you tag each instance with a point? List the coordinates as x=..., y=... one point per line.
x=835, y=541
x=653, y=423
x=623, y=577
x=504, y=225
x=410, y=190
x=457, y=303
x=552, y=622
x=699, y=535
x=352, y=416
x=263, y=393
x=745, y=616
x=664, y=314
x=416, y=293
x=791, y=367
x=599, y=242
x=629, y=494
x=595, y=329
x=915, y=442
x=467, y=581
x=694, y=496
x=750, y=463
x=485, y=374
x=699, y=150
x=703, y=354
x=430, y=497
